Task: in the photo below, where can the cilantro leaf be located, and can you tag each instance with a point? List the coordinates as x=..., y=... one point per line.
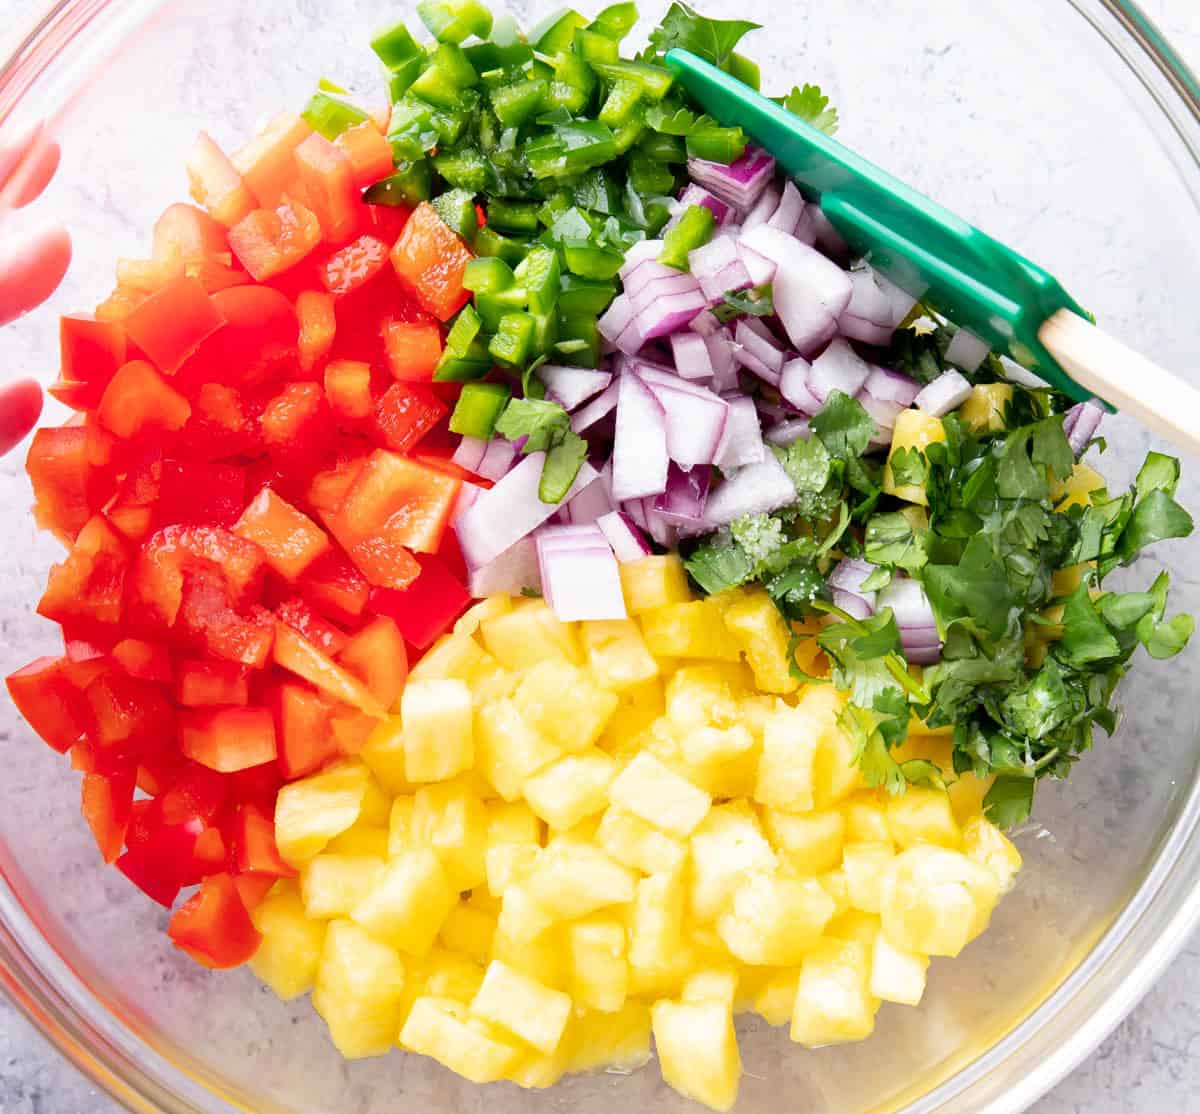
x=891, y=539
x=670, y=118
x=758, y=301
x=760, y=535
x=795, y=588
x=711, y=39
x=976, y=588
x=844, y=427
x=909, y=467
x=563, y=461
x=1155, y=517
x=812, y=106
x=546, y=428
x=1009, y=801
x=1159, y=472
x=718, y=564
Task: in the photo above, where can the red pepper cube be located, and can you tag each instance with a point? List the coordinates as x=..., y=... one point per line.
x=91, y=352
x=302, y=722
x=385, y=562
x=201, y=493
x=128, y=715
x=149, y=661
x=368, y=151
x=51, y=702
x=195, y=793
x=209, y=624
x=293, y=652
x=253, y=888
x=63, y=480
x=350, y=268
x=228, y=739
x=134, y=505
x=335, y=587
x=107, y=804
x=206, y=683
x=267, y=163
x=213, y=925
x=351, y=729
x=138, y=399
x=268, y=242
x=297, y=424
x=216, y=184
x=398, y=498
x=348, y=389
x=377, y=656
x=404, y=414
x=171, y=324
x=290, y=539
x=300, y=616
x=413, y=349
x=184, y=233
x=327, y=184
x=254, y=846
x=87, y=589
x=318, y=325
x=430, y=259
x=427, y=609
x=257, y=345
x=328, y=488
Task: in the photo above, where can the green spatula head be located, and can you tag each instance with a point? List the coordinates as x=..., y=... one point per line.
x=925, y=249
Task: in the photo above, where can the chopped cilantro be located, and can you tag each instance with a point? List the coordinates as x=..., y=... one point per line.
x=758, y=301
x=711, y=39
x=547, y=428
x=812, y=106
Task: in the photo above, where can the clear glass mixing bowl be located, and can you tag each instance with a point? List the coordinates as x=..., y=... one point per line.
x=1065, y=127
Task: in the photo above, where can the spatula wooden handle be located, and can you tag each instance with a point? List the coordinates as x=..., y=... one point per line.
x=1129, y=381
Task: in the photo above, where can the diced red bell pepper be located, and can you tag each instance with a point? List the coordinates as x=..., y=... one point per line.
x=259, y=783
x=376, y=655
x=318, y=324
x=87, y=589
x=119, y=304
x=335, y=587
x=369, y=152
x=106, y=803
x=209, y=623
x=76, y=396
x=201, y=493
x=138, y=399
x=215, y=275
x=296, y=654
x=147, y=275
x=213, y=925
x=351, y=728
x=348, y=389
x=156, y=773
x=91, y=352
x=397, y=498
x=328, y=488
x=51, y=702
x=149, y=661
x=404, y=414
x=427, y=609
x=205, y=683
x=385, y=562
x=128, y=715
x=196, y=793
x=171, y=324
x=216, y=183
x=133, y=507
x=327, y=181
x=185, y=233
x=220, y=425
x=228, y=739
x=254, y=846
x=290, y=539
x=298, y=427
x=302, y=723
x=271, y=241
x=257, y=344
x=64, y=485
x=430, y=257
x=267, y=163
x=440, y=461
x=350, y=268
x=300, y=616
x=253, y=888
x=161, y=861
x=413, y=349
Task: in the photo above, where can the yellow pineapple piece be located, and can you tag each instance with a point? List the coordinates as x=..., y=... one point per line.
x=599, y=970
x=833, y=1001
x=447, y=974
x=986, y=844
x=409, y=902
x=509, y=749
x=376, y=806
x=443, y=1029
x=573, y=879
x=776, y=997
x=920, y=815
x=454, y=657
x=727, y=845
x=564, y=704
x=544, y=957
x=640, y=706
x=837, y=886
x=712, y=984
x=983, y=411
x=632, y=842
x=513, y=843
x=290, y=952
x=762, y=634
x=470, y=931
x=571, y=789
x=363, y=839
x=659, y=796
x=401, y=836
x=897, y=976
x=359, y=991
x=966, y=796
x=914, y=429
x=806, y=842
x=774, y=920
x=698, y=1051
x=866, y=864
x=537, y=1071
x=451, y=820
x=654, y=582
x=866, y=818
x=470, y=620
x=528, y=634
x=856, y=925
x=785, y=769
x=619, y=1041
x=1077, y=488
x=438, y=734
x=657, y=953
x=689, y=630
x=617, y=655
x=332, y=885
x=522, y=1006
x=835, y=772
x=383, y=754
x=723, y=761
x=701, y=696
x=312, y=811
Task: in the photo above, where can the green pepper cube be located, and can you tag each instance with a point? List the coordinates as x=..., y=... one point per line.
x=511, y=343
x=744, y=69
x=491, y=55
x=589, y=261
x=487, y=276
x=450, y=124
x=331, y=115
x=478, y=409
x=714, y=143
x=578, y=341
x=402, y=76
x=474, y=363
x=621, y=103
x=539, y=273
x=655, y=81
x=395, y=46
x=437, y=87
x=464, y=168
x=572, y=224
x=573, y=84
x=546, y=156
x=489, y=242
x=598, y=191
x=586, y=143
x=663, y=148
x=463, y=332
x=649, y=176
x=694, y=230
x=630, y=132
x=555, y=33
x=452, y=21
x=584, y=297
x=516, y=217
x=516, y=103
x=452, y=60
x=409, y=185
x=457, y=208
x=592, y=46
x=545, y=332
x=615, y=21
x=493, y=305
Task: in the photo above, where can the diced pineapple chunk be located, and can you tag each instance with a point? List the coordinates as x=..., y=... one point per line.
x=866, y=819
x=571, y=789
x=714, y=984
x=290, y=952
x=727, y=845
x=776, y=996
x=572, y=880
x=920, y=815
x=835, y=884
x=833, y=1001
x=564, y=704
x=865, y=864
x=522, y=1006
x=448, y=818
x=984, y=843
x=409, y=902
x=537, y=1071
x=384, y=755
x=619, y=1041
x=448, y=974
x=1077, y=487
x=512, y=822
x=332, y=885
x=599, y=971
x=508, y=864
x=528, y=634
x=617, y=655
x=659, y=796
x=808, y=842
x=698, y=1051
x=401, y=836
x=914, y=429
x=453, y=657
x=634, y=843
x=543, y=957
x=856, y=925
x=438, y=734
x=836, y=773
x=785, y=769
x=763, y=635
x=723, y=761
x=470, y=620
x=310, y=812
x=897, y=976
x=639, y=708
x=773, y=921
x=656, y=944
x=469, y=931
x=701, y=696
x=654, y=582
x=442, y=1029
x=513, y=842
x=509, y=749
x=689, y=630
x=359, y=991
x=363, y=839
x=983, y=411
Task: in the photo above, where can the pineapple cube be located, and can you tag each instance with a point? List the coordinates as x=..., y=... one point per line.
x=763, y=635
x=450, y=975
x=866, y=819
x=573, y=879
x=530, y=633
x=660, y=796
x=856, y=925
x=698, y=1051
x=983, y=411
x=984, y=843
x=332, y=885
x=523, y=1006
x=632, y=842
x=454, y=657
x=936, y=901
x=835, y=884
x=865, y=865
x=654, y=582
x=564, y=704
x=290, y=952
x=442, y=1029
x=785, y=769
x=438, y=735
x=836, y=773
x=776, y=997
x=537, y=1071
x=509, y=750
x=808, y=842
x=1077, y=487
x=721, y=760
x=701, y=696
x=914, y=429
x=773, y=921
x=489, y=608
x=470, y=931
x=311, y=812
x=599, y=971
x=689, y=630
x=711, y=985
x=409, y=902
x=897, y=976
x=617, y=655
x=543, y=958
x=657, y=951
x=383, y=753
x=571, y=789
x=359, y=991
x=513, y=843
x=512, y=822
x=966, y=795
x=522, y=917
x=376, y=806
x=507, y=864
x=639, y=708
x=921, y=815
x=448, y=818
x=370, y=840
x=727, y=845
x=833, y=1001
x=619, y=1041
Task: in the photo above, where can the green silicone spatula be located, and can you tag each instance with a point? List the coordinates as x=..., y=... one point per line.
x=977, y=282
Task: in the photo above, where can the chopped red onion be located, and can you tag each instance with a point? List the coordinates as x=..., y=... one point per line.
x=757, y=350
x=786, y=432
x=704, y=323
x=514, y=570
x=902, y=301
x=787, y=216
x=718, y=269
x=669, y=314
x=616, y=318
x=741, y=182
x=793, y=385
x=600, y=407
x=467, y=494
x=806, y=228
x=662, y=531
x=827, y=237
x=857, y=607
x=838, y=368
x=648, y=294
x=760, y=269
x=1087, y=417
x=948, y=391
x=636, y=511
x=914, y=617
x=742, y=442
x=849, y=573
x=891, y=386
x=497, y=459
x=868, y=316
x=721, y=351
x=966, y=350
x=698, y=195
x=1022, y=376
x=637, y=254
x=695, y=424
x=882, y=412
x=764, y=208
x=589, y=504
x=571, y=387
x=469, y=453
x=682, y=504
x=626, y=539
x=640, y=447
x=690, y=353
x=755, y=489
x=580, y=577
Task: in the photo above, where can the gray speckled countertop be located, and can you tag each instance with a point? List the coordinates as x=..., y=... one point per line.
x=1151, y=1063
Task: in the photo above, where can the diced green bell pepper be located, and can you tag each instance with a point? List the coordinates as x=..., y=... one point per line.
x=545, y=332
x=331, y=115
x=573, y=84
x=597, y=191
x=584, y=297
x=589, y=261
x=555, y=33
x=586, y=143
x=744, y=69
x=487, y=276
x=514, y=104
x=489, y=242
x=493, y=305
x=655, y=81
x=452, y=21
x=630, y=132
x=402, y=77
x=615, y=21
x=663, y=148
x=457, y=208
x=463, y=331
x=518, y=218
x=478, y=409
x=571, y=224
x=716, y=144
x=621, y=103
x=411, y=184
x=578, y=341
x=546, y=157
x=647, y=175
x=694, y=230
x=511, y=343
x=539, y=273
x=395, y=46
x=437, y=86
x=592, y=46
x=464, y=167
x=475, y=363
x=492, y=55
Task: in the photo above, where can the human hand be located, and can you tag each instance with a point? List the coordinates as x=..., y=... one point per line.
x=33, y=260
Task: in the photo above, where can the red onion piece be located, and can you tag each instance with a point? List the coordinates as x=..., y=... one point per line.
x=883, y=413
x=868, y=316
x=648, y=294
x=914, y=617
x=637, y=254
x=755, y=489
x=690, y=353
x=662, y=531
x=838, y=368
x=469, y=453
x=1088, y=416
x=695, y=424
x=806, y=227
x=947, y=392
x=571, y=387
x=827, y=237
x=793, y=385
x=636, y=511
x=698, y=195
x=786, y=217
x=580, y=577
x=467, y=494
x=741, y=182
x=891, y=386
x=682, y=504
x=902, y=301
x=786, y=432
x=849, y=574
x=626, y=539
x=966, y=350
x=669, y=314
x=857, y=607
x=704, y=323
x=508, y=574
x=589, y=504
x=600, y=407
x=614, y=320
x=640, y=447
x=721, y=351
x=764, y=208
x=497, y=459
x=760, y=269
x=742, y=441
